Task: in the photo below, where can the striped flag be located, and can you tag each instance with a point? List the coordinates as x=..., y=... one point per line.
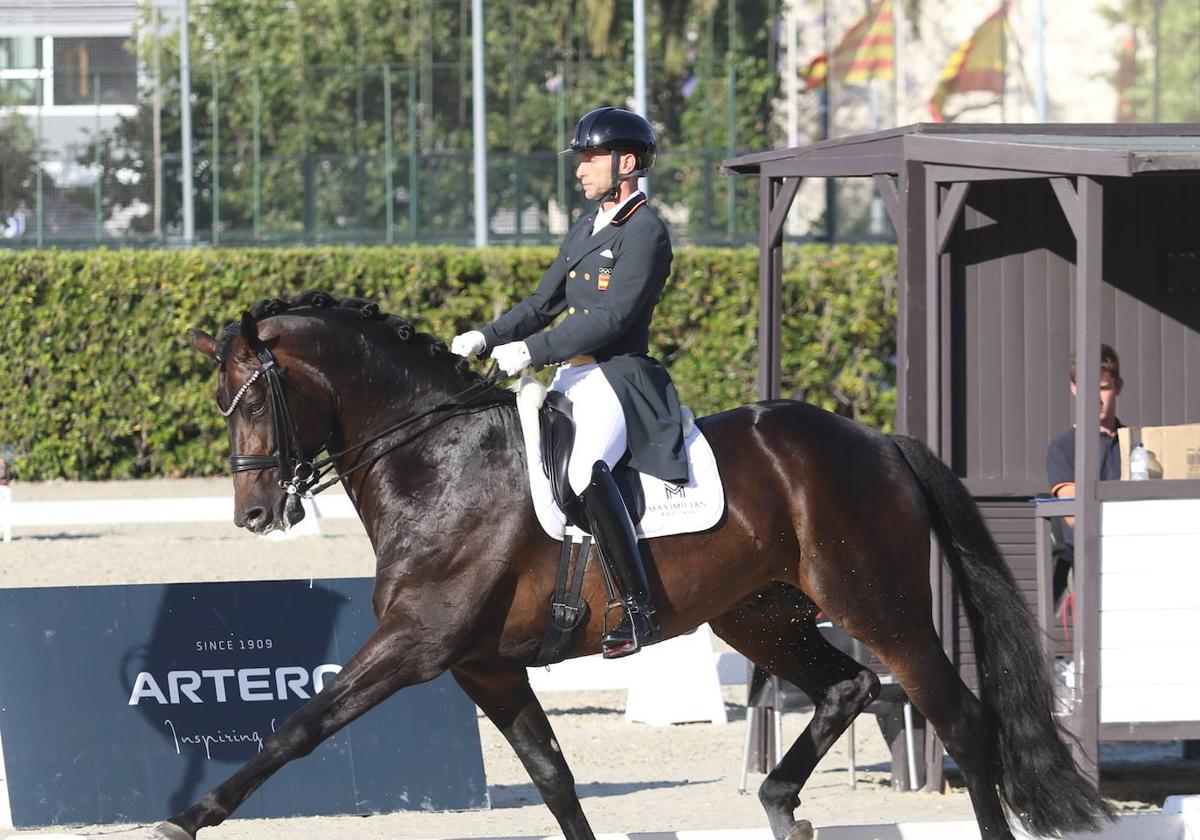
x=977, y=64
x=867, y=51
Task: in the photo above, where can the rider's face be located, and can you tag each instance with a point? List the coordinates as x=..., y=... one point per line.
x=594, y=171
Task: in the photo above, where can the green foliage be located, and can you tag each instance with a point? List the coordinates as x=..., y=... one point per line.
x=18, y=175
x=100, y=382
x=1172, y=29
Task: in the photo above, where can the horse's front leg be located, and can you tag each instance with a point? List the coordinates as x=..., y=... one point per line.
x=506, y=698
x=381, y=667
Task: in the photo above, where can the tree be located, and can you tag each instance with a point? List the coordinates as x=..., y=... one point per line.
x=301, y=89
x=1168, y=70
x=18, y=165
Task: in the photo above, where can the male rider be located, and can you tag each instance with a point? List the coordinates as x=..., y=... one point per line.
x=608, y=277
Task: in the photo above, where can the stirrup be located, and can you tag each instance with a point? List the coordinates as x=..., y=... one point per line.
x=625, y=639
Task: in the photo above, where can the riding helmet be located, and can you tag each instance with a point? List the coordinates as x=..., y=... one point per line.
x=615, y=129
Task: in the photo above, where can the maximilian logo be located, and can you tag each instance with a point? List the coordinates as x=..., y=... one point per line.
x=674, y=492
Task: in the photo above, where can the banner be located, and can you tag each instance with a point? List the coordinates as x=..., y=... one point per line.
x=128, y=703
x=977, y=64
x=867, y=51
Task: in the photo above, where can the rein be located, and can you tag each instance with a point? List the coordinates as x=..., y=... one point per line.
x=299, y=474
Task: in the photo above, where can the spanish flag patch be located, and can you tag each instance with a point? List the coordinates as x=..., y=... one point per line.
x=604, y=278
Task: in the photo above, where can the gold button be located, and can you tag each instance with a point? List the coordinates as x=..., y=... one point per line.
x=587, y=312
x=572, y=274
x=587, y=276
x=571, y=311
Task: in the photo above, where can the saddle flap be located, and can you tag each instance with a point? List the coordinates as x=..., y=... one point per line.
x=557, y=424
x=657, y=508
x=558, y=439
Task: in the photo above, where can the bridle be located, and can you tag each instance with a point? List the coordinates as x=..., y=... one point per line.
x=299, y=473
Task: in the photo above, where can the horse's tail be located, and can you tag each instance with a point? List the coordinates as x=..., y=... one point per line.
x=1037, y=779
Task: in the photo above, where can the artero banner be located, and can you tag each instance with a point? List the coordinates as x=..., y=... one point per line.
x=127, y=703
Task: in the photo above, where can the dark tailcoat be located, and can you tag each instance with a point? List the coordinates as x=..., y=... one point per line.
x=609, y=284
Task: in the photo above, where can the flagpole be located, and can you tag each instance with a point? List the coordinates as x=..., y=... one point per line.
x=791, y=79
x=1003, y=61
x=827, y=123
x=1156, y=114
x=1040, y=94
x=479, y=125
x=898, y=50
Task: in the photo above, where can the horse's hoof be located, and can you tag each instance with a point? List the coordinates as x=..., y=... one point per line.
x=802, y=830
x=169, y=831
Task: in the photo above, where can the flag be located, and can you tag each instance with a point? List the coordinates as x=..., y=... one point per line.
x=867, y=51
x=977, y=64
x=1127, y=108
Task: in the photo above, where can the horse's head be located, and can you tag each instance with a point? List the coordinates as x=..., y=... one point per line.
x=278, y=417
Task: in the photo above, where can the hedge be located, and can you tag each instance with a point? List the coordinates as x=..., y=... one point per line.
x=100, y=382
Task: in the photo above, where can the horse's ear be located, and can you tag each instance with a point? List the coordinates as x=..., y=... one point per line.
x=249, y=329
x=203, y=343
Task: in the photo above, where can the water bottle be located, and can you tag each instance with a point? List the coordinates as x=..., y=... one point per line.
x=1139, y=464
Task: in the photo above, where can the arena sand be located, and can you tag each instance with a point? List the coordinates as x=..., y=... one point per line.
x=630, y=777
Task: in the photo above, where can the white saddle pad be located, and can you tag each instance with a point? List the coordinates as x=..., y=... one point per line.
x=670, y=509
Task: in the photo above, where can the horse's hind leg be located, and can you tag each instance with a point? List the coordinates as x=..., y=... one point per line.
x=506, y=698
x=380, y=668
x=929, y=679
x=777, y=632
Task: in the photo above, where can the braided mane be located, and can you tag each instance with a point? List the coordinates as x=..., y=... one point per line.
x=368, y=311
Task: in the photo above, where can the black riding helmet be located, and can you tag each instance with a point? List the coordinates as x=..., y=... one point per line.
x=616, y=130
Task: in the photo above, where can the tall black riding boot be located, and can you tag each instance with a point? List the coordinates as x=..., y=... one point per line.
x=615, y=537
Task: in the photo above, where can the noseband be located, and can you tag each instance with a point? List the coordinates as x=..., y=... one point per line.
x=299, y=474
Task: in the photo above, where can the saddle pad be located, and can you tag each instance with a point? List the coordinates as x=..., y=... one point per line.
x=670, y=509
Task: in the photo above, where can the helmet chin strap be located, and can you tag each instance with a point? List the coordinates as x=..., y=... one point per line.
x=615, y=190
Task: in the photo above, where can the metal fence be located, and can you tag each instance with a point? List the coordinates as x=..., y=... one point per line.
x=365, y=155
x=90, y=136
x=340, y=155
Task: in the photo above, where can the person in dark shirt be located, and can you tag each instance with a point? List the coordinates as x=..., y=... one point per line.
x=1060, y=459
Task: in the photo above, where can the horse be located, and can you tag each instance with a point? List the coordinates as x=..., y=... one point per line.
x=822, y=515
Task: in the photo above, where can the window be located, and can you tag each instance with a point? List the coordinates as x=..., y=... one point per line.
x=87, y=70
x=24, y=53
x=20, y=70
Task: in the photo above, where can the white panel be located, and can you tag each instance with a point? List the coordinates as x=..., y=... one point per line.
x=1150, y=516
x=1170, y=554
x=149, y=511
x=1152, y=668
x=1150, y=628
x=1146, y=704
x=1146, y=592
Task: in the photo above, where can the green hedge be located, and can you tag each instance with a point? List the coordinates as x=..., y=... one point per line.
x=99, y=380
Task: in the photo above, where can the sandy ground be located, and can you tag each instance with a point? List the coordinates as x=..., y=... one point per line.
x=631, y=777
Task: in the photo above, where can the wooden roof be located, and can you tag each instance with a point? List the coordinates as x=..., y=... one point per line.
x=1113, y=149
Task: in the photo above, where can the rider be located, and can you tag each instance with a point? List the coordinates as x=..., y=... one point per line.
x=608, y=277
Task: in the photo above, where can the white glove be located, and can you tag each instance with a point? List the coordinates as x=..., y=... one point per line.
x=468, y=344
x=512, y=357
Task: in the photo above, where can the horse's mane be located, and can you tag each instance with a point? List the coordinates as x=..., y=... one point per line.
x=368, y=311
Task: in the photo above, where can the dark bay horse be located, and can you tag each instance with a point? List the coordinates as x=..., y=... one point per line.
x=822, y=514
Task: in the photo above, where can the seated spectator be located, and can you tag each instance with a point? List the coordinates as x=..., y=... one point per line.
x=1060, y=461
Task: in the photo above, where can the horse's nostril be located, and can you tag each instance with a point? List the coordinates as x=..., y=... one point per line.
x=255, y=517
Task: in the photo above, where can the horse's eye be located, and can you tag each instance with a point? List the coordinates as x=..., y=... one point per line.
x=256, y=408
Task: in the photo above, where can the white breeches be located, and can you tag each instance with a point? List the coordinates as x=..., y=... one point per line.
x=599, y=421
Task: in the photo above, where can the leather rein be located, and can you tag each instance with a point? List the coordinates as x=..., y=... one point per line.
x=299, y=474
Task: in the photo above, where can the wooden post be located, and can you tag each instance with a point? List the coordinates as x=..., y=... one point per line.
x=1086, y=650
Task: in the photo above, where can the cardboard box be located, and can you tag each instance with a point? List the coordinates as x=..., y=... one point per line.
x=1174, y=450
